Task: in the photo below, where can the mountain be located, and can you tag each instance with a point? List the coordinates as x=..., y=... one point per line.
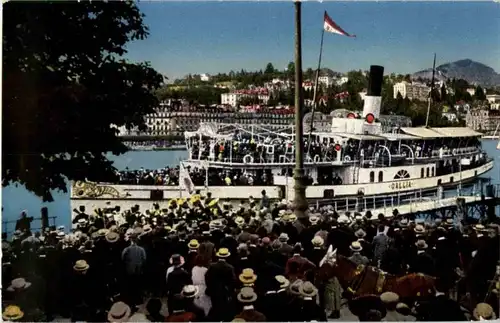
x=467, y=69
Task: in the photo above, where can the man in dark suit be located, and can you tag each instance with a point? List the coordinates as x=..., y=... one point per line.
x=177, y=277
x=221, y=283
x=423, y=261
x=285, y=248
x=380, y=245
x=298, y=266
x=439, y=308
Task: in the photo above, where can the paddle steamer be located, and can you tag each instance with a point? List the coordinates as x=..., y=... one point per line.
x=354, y=159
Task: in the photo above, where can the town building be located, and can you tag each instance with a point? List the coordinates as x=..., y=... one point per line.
x=483, y=120
x=493, y=98
x=412, y=91
x=205, y=77
x=233, y=98
x=325, y=80
x=471, y=91
x=342, y=80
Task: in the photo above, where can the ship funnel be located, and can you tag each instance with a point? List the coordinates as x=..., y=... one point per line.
x=373, y=99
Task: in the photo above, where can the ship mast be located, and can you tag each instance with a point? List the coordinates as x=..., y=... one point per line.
x=430, y=93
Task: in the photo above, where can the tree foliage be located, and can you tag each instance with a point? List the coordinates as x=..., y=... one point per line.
x=64, y=83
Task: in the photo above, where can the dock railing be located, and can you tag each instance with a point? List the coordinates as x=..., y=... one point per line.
x=9, y=226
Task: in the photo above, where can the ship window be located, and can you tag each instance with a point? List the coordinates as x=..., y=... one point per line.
x=427, y=172
x=475, y=173
x=372, y=177
x=432, y=171
x=402, y=174
x=451, y=179
x=380, y=176
x=328, y=194
x=439, y=182
x=422, y=173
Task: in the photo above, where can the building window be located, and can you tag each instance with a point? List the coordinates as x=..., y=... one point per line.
x=380, y=176
x=422, y=173
x=451, y=179
x=372, y=177
x=432, y=171
x=427, y=172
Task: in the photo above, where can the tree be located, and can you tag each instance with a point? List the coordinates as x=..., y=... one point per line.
x=64, y=83
x=479, y=94
x=269, y=69
x=290, y=68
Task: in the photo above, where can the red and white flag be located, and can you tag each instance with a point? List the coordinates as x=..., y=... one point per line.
x=330, y=26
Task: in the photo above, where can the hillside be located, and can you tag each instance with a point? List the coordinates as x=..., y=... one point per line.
x=467, y=69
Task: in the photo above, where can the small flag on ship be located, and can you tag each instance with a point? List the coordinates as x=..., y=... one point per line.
x=185, y=180
x=330, y=26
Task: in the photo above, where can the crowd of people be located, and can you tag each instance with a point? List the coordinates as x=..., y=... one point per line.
x=202, y=259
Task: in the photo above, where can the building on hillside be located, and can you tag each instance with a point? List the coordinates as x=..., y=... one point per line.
x=204, y=77
x=233, y=98
x=483, y=120
x=325, y=80
x=412, y=91
x=341, y=80
x=471, y=91
x=493, y=98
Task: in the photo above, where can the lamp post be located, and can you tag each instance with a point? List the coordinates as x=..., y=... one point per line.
x=300, y=202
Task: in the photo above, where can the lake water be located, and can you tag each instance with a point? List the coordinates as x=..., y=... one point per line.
x=15, y=199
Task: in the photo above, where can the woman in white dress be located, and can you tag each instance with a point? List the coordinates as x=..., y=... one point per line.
x=202, y=263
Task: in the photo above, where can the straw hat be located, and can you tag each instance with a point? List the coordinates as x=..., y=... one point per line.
x=12, y=313
x=356, y=246
x=389, y=298
x=247, y=295
x=239, y=220
x=81, y=265
x=295, y=287
x=484, y=311
x=223, y=253
x=190, y=291
x=421, y=244
x=307, y=289
x=360, y=234
x=283, y=237
x=284, y=283
x=112, y=237
x=193, y=244
x=317, y=241
x=119, y=312
x=102, y=232
x=18, y=284
x=247, y=276
x=479, y=227
x=314, y=219
x=419, y=229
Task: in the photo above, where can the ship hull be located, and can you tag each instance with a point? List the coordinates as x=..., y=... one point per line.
x=145, y=195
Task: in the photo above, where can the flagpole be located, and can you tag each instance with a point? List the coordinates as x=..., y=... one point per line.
x=430, y=93
x=300, y=202
x=315, y=91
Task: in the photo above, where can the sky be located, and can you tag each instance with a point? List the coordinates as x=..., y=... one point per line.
x=212, y=37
